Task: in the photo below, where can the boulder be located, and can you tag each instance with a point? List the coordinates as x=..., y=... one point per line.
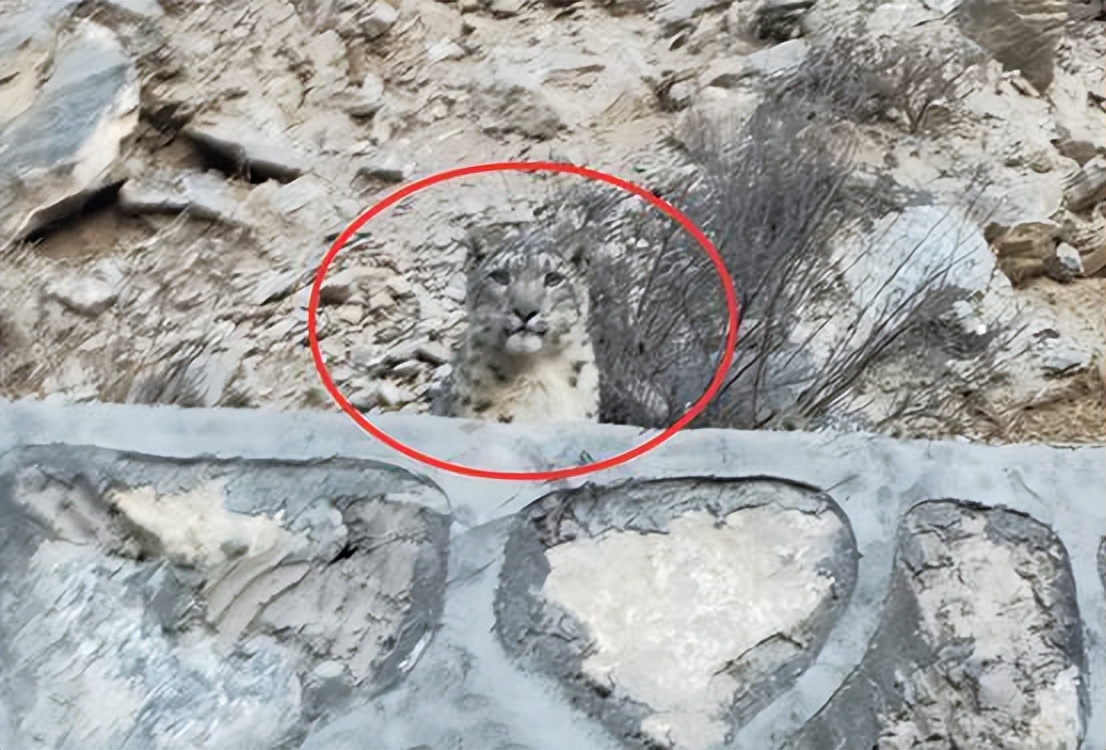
x=66, y=145
x=1021, y=34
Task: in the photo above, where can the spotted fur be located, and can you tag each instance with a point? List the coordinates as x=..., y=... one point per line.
x=526, y=354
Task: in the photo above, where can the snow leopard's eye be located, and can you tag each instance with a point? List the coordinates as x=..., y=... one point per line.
x=500, y=276
x=554, y=279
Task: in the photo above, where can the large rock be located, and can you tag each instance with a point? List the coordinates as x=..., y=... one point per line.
x=635, y=598
x=1021, y=34
x=979, y=643
x=206, y=604
x=65, y=146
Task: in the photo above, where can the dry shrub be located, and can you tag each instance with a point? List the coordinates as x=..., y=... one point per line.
x=770, y=196
x=863, y=79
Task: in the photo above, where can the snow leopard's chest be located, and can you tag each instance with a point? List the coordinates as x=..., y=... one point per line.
x=565, y=387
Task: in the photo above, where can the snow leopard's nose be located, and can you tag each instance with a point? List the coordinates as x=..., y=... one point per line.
x=525, y=313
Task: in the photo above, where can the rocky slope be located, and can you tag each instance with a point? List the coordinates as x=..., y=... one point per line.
x=170, y=173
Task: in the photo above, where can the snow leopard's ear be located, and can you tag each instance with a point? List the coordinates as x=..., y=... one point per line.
x=576, y=250
x=479, y=242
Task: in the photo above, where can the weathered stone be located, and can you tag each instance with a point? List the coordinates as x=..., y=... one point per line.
x=1069, y=258
x=351, y=314
x=1021, y=34
x=518, y=109
x=83, y=294
x=444, y=49
x=1064, y=360
x=385, y=166
x=204, y=195
x=780, y=20
x=778, y=58
x=263, y=155
x=220, y=557
x=66, y=145
x=368, y=99
x=1088, y=186
x=1088, y=237
x=407, y=370
x=982, y=611
x=578, y=578
x=506, y=8
x=1023, y=251
x=380, y=19
x=390, y=394
x=274, y=286
x=339, y=286
x=433, y=353
x=455, y=289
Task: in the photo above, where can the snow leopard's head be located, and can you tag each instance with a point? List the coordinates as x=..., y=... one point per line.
x=525, y=293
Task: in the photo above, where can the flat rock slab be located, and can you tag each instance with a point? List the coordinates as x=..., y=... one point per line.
x=249, y=149
x=728, y=589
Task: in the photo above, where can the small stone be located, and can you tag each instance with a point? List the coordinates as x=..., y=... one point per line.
x=455, y=289
x=778, y=58
x=445, y=49
x=402, y=352
x=1088, y=187
x=506, y=8
x=1081, y=151
x=352, y=314
x=390, y=394
x=384, y=167
x=266, y=156
x=1031, y=239
x=381, y=301
x=369, y=98
x=342, y=373
x=364, y=399
x=84, y=295
x=408, y=369
x=274, y=286
x=1069, y=258
x=204, y=195
x=338, y=287
x=1065, y=360
x=380, y=20
x=432, y=353
x=399, y=286
x=363, y=356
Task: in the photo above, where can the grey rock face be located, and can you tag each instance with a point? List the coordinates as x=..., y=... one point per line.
x=1021, y=34
x=63, y=148
x=206, y=603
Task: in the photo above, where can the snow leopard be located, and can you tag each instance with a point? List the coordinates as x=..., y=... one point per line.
x=525, y=354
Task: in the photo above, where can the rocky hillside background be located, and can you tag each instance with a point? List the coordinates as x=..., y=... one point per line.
x=171, y=174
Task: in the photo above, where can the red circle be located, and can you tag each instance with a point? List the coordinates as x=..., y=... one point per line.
x=526, y=166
